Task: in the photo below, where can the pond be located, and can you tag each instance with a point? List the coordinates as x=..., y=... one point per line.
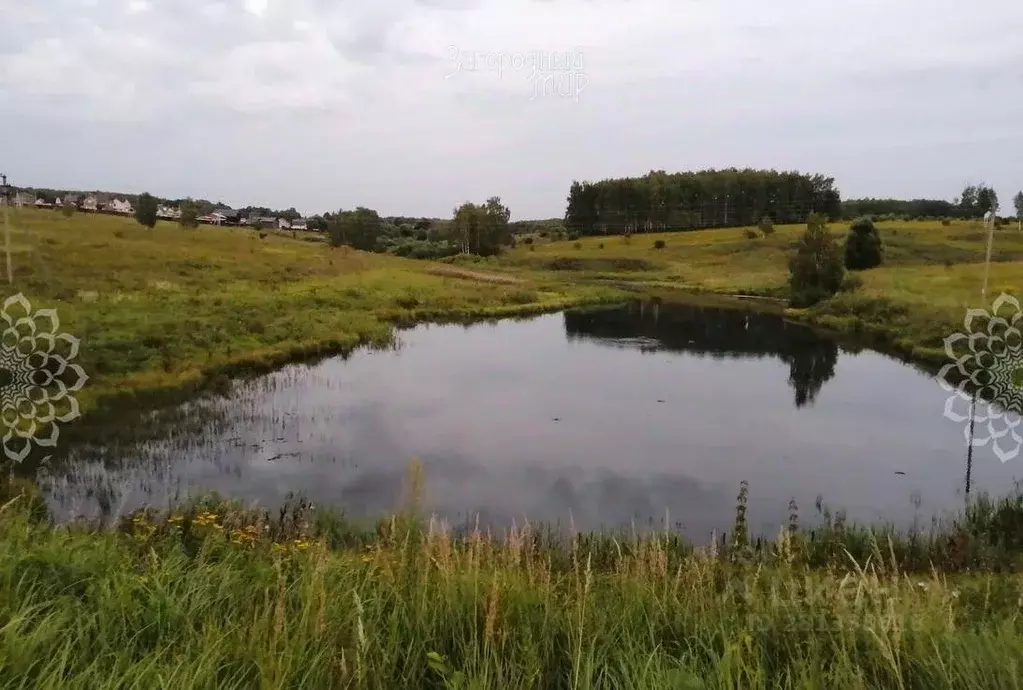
x=604, y=417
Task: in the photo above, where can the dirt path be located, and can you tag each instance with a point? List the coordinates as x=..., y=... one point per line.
x=455, y=272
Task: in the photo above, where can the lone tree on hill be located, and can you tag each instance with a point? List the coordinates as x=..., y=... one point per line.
x=815, y=270
x=1017, y=201
x=145, y=210
x=863, y=247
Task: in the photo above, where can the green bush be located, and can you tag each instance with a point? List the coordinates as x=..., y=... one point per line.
x=659, y=244
x=766, y=226
x=527, y=240
x=577, y=245
x=751, y=233
x=816, y=269
x=946, y=222
x=863, y=247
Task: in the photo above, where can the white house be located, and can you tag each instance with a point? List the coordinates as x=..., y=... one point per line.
x=42, y=203
x=168, y=212
x=121, y=206
x=300, y=224
x=283, y=224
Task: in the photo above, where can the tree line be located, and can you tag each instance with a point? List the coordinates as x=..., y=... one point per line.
x=481, y=229
x=973, y=202
x=660, y=201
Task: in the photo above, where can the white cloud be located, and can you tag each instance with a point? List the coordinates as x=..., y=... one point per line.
x=668, y=84
x=256, y=7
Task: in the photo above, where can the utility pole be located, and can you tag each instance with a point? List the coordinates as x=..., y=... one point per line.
x=5, y=191
x=989, y=221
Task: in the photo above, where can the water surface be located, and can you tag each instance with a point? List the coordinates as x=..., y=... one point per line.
x=602, y=417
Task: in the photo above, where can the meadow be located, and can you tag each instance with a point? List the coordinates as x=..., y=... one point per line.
x=932, y=273
x=214, y=594
x=166, y=311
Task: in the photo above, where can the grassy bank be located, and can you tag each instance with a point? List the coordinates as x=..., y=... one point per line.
x=164, y=311
x=931, y=275
x=217, y=596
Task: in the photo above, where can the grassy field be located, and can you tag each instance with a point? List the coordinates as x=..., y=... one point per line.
x=170, y=309
x=214, y=596
x=931, y=275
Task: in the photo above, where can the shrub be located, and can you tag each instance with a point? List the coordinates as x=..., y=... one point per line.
x=68, y=209
x=766, y=226
x=543, y=233
x=816, y=269
x=946, y=222
x=863, y=248
x=659, y=244
x=600, y=246
x=532, y=247
x=262, y=235
x=527, y=240
x=751, y=234
x=577, y=245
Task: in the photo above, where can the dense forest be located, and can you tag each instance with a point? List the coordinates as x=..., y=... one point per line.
x=663, y=201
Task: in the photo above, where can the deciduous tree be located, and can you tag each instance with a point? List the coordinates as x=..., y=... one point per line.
x=359, y=229
x=189, y=215
x=816, y=269
x=145, y=210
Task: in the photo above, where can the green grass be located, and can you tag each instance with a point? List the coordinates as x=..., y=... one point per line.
x=169, y=310
x=220, y=597
x=214, y=596
x=931, y=275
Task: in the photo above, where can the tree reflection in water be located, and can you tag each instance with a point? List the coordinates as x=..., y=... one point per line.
x=716, y=332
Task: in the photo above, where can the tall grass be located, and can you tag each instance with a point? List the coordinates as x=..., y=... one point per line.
x=216, y=596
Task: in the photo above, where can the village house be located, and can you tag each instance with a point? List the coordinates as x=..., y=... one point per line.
x=95, y=202
x=42, y=203
x=262, y=222
x=226, y=216
x=168, y=212
x=283, y=224
x=120, y=206
x=300, y=224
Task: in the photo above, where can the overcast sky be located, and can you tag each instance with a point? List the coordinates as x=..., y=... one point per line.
x=413, y=106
